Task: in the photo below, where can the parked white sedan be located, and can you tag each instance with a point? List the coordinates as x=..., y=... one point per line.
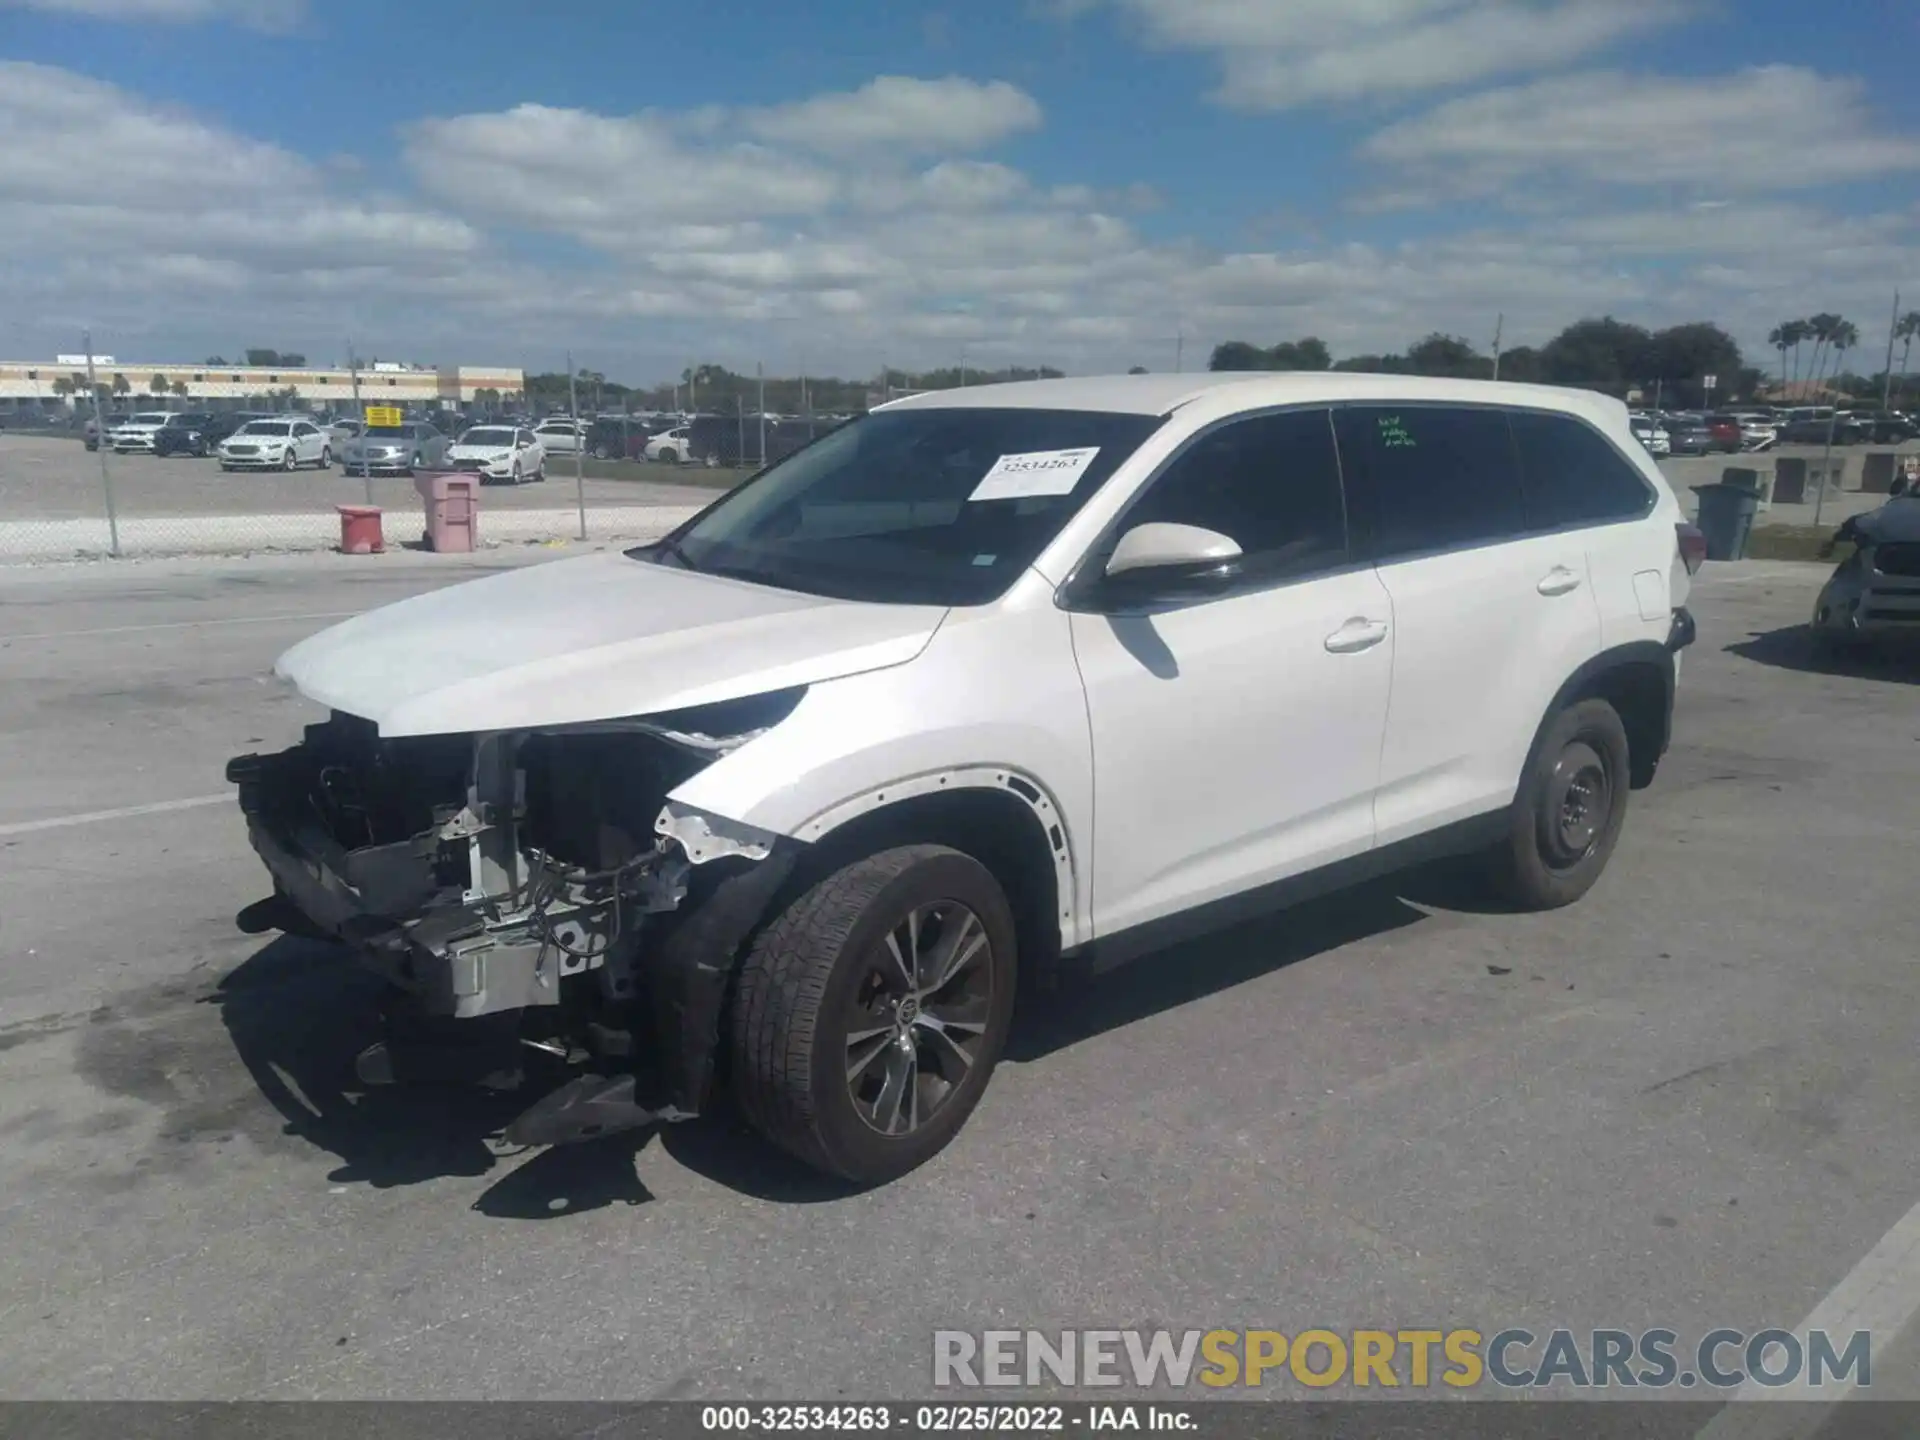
x=137, y=431
x=499, y=452
x=276, y=445
x=560, y=436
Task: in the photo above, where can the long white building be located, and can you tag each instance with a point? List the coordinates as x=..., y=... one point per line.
x=33, y=387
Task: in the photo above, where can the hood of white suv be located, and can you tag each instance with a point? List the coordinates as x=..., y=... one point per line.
x=597, y=638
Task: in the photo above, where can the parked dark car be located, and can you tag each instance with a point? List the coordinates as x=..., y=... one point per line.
x=619, y=437
x=1690, y=435
x=1815, y=430
x=1889, y=427
x=193, y=433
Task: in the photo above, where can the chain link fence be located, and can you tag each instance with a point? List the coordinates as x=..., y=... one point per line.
x=60, y=501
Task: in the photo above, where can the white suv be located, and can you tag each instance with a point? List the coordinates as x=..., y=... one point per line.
x=992, y=686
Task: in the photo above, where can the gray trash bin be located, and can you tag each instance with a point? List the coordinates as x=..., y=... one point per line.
x=1726, y=519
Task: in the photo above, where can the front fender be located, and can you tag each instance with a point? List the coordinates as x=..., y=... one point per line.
x=994, y=701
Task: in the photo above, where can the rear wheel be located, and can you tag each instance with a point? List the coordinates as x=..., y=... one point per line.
x=870, y=1013
x=1566, y=816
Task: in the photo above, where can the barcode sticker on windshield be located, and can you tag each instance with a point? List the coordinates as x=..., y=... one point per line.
x=1039, y=472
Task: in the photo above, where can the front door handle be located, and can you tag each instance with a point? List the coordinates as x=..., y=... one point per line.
x=1559, y=581
x=1356, y=635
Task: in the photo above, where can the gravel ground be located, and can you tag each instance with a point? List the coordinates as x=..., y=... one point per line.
x=50, y=478
x=1692, y=1099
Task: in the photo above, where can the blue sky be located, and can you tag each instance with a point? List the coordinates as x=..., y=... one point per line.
x=839, y=185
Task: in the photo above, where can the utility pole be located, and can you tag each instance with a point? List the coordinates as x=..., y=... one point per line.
x=579, y=444
x=1893, y=329
x=1499, y=327
x=760, y=375
x=1180, y=348
x=100, y=448
x=360, y=415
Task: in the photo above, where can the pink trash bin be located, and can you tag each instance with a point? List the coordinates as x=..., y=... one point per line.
x=452, y=510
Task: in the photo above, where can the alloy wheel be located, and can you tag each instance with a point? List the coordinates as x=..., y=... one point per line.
x=918, y=1017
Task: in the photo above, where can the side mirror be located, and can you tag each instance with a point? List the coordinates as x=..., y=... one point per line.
x=1166, y=561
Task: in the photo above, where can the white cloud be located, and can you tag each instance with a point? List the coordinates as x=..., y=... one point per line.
x=1774, y=128
x=643, y=243
x=269, y=15
x=1285, y=54
x=953, y=116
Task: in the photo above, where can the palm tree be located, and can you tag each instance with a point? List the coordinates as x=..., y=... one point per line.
x=1904, y=332
x=158, y=384
x=1842, y=336
x=1820, y=330
x=1781, y=339
x=62, y=386
x=120, y=385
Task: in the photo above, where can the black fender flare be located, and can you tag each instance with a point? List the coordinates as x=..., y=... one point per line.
x=1647, y=656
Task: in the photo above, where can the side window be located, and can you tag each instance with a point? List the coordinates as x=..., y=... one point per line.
x=1573, y=474
x=1271, y=483
x=523, y=437
x=1426, y=478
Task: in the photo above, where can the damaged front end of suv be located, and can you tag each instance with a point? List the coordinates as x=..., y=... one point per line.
x=540, y=882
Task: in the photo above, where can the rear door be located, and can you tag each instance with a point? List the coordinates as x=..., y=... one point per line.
x=1489, y=620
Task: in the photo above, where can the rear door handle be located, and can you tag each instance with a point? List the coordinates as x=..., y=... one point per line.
x=1559, y=581
x=1356, y=635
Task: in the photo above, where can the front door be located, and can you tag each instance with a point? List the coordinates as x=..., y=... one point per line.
x=1236, y=739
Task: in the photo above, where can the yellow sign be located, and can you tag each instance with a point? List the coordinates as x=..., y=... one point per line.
x=380, y=415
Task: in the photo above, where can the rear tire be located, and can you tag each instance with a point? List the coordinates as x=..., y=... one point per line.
x=851, y=1049
x=1567, y=814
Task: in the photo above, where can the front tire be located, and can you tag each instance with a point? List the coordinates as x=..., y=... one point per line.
x=290, y=461
x=326, y=457
x=870, y=1013
x=1568, y=812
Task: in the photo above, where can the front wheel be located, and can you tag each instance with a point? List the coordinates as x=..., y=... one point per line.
x=870, y=1013
x=326, y=457
x=1567, y=813
x=290, y=461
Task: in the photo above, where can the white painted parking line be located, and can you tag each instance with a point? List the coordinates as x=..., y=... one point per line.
x=1880, y=1295
x=126, y=812
x=178, y=625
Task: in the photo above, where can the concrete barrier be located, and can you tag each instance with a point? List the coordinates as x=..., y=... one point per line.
x=1877, y=472
x=1790, y=480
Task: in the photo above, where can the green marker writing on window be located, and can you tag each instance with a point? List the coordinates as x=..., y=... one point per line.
x=1393, y=435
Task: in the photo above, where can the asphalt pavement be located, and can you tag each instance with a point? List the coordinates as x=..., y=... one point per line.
x=1688, y=1101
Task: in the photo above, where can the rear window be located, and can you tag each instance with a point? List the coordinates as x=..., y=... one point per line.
x=487, y=437
x=1573, y=475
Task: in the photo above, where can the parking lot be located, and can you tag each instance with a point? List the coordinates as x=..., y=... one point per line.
x=1688, y=1101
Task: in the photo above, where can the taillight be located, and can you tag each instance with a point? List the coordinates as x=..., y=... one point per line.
x=1693, y=547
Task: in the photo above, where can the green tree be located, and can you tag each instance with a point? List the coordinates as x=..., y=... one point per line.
x=263, y=359
x=120, y=385
x=1605, y=351
x=158, y=384
x=1237, y=355
x=214, y=360
x=1521, y=365
x=1448, y=355
x=1137, y=370
x=179, y=388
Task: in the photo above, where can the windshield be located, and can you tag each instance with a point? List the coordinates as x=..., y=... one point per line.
x=152, y=417
x=487, y=437
x=934, y=507
x=266, y=427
